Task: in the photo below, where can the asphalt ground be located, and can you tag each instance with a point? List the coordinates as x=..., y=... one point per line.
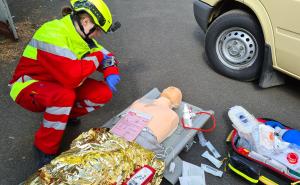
x=158, y=45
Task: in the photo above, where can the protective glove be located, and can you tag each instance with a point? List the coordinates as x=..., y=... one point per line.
x=112, y=81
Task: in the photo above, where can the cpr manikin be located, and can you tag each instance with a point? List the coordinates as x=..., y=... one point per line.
x=164, y=120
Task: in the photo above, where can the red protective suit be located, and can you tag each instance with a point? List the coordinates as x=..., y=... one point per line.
x=57, y=63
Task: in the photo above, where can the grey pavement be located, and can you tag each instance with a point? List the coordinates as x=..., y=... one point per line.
x=158, y=45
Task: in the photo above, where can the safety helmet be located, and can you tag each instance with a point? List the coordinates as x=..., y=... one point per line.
x=97, y=9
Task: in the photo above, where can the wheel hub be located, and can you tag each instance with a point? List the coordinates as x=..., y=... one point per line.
x=236, y=48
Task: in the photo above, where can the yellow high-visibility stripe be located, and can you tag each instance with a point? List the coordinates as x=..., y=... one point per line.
x=228, y=139
x=295, y=183
x=242, y=174
x=30, y=52
x=60, y=37
x=267, y=181
x=17, y=87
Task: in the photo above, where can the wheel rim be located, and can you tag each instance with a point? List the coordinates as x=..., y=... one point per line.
x=237, y=48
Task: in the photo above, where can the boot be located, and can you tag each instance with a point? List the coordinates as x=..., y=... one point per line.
x=73, y=121
x=43, y=158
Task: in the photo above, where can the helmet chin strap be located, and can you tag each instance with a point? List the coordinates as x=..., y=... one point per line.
x=86, y=35
x=91, y=31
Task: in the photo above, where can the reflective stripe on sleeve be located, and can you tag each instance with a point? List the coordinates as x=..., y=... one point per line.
x=94, y=59
x=50, y=48
x=92, y=104
x=58, y=110
x=89, y=109
x=17, y=87
x=54, y=124
x=104, y=51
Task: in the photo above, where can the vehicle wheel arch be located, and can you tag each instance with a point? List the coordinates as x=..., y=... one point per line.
x=227, y=5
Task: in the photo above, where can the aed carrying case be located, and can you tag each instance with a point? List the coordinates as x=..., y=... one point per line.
x=253, y=170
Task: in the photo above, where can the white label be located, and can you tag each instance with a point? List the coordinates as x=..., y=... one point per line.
x=189, y=169
x=212, y=159
x=211, y=170
x=213, y=149
x=202, y=139
x=140, y=177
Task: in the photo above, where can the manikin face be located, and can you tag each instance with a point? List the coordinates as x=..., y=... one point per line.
x=88, y=24
x=174, y=95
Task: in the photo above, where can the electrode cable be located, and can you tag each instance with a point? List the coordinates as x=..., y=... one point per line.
x=200, y=129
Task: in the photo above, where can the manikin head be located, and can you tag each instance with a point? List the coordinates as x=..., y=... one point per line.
x=174, y=95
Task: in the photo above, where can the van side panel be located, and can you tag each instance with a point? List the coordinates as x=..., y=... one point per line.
x=280, y=24
x=286, y=25
x=210, y=2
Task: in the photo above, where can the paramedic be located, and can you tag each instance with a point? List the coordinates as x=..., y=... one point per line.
x=53, y=73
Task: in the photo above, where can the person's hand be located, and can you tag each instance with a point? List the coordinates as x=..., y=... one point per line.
x=112, y=81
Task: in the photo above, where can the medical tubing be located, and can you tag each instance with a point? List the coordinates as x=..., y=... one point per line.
x=200, y=129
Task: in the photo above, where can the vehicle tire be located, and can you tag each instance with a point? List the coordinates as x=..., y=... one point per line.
x=234, y=45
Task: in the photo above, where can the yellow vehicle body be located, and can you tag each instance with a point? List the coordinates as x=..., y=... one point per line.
x=280, y=24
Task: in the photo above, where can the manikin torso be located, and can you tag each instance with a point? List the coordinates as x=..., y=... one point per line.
x=164, y=120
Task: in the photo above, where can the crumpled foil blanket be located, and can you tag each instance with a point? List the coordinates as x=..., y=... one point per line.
x=97, y=157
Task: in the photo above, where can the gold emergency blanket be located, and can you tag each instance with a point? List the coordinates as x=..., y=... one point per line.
x=98, y=157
